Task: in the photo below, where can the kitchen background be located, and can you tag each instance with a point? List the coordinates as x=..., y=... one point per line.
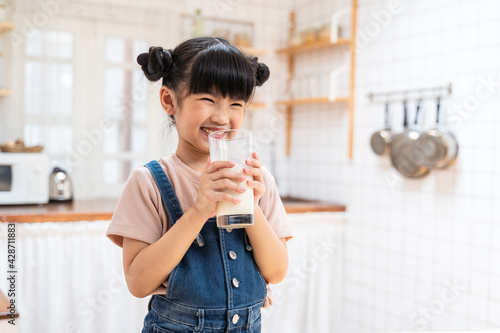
x=417, y=255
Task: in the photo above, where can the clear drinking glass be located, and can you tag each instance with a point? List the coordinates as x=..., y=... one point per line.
x=235, y=146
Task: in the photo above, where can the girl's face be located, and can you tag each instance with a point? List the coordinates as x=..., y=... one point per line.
x=201, y=114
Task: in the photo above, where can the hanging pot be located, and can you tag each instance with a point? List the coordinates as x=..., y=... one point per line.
x=403, y=148
x=381, y=140
x=437, y=147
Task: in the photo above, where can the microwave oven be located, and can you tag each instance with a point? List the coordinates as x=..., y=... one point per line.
x=24, y=178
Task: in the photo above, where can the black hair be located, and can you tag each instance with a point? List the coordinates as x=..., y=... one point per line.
x=205, y=65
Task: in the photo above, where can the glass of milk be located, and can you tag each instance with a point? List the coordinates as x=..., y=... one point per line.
x=235, y=146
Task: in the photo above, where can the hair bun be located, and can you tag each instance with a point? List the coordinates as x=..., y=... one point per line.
x=155, y=64
x=261, y=71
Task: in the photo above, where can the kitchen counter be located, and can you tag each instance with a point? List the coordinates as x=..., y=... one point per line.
x=95, y=210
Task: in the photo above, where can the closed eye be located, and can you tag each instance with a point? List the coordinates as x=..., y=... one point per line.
x=237, y=104
x=208, y=99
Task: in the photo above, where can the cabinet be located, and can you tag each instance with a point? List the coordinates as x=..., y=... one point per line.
x=321, y=44
x=5, y=27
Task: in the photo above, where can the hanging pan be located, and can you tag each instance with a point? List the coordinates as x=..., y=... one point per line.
x=381, y=140
x=437, y=147
x=403, y=148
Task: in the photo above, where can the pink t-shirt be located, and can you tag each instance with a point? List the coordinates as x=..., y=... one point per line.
x=140, y=213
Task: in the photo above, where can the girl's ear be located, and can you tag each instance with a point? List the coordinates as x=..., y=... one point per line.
x=167, y=100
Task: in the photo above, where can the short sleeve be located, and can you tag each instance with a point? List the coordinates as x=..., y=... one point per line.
x=273, y=208
x=137, y=213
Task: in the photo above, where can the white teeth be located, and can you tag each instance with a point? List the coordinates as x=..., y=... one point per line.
x=207, y=130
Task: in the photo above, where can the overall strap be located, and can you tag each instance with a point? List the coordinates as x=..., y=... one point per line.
x=170, y=201
x=168, y=196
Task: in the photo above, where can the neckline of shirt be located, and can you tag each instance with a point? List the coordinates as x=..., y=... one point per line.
x=185, y=169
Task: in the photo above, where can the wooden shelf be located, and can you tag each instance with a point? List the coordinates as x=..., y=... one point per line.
x=257, y=105
x=5, y=92
x=312, y=46
x=312, y=100
x=6, y=26
x=251, y=51
x=322, y=44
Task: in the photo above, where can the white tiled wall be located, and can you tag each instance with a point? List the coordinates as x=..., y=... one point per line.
x=420, y=255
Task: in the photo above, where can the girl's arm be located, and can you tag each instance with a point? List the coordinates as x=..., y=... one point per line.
x=269, y=251
x=147, y=266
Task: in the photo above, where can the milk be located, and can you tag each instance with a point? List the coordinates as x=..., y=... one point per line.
x=240, y=215
x=233, y=145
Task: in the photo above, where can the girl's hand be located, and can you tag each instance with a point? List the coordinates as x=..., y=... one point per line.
x=217, y=177
x=254, y=169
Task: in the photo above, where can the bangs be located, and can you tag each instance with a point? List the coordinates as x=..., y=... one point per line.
x=222, y=69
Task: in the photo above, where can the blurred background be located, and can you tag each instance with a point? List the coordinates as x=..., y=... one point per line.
x=410, y=253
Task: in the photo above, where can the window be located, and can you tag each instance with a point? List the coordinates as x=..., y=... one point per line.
x=85, y=100
x=48, y=97
x=125, y=104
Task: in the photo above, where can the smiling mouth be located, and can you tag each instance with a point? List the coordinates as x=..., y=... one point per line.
x=212, y=129
x=207, y=130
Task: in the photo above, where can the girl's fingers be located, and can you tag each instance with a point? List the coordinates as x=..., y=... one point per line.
x=254, y=168
x=229, y=174
x=256, y=185
x=223, y=184
x=255, y=162
x=256, y=172
x=221, y=196
x=217, y=165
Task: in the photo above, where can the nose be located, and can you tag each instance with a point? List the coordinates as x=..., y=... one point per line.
x=220, y=116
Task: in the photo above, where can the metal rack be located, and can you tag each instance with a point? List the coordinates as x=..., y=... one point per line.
x=411, y=94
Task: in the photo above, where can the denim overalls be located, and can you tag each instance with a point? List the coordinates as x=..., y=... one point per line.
x=217, y=286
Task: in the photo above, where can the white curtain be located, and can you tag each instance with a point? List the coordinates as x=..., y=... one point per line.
x=70, y=279
x=308, y=300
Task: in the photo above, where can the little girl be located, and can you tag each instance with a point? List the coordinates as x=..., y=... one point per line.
x=202, y=278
